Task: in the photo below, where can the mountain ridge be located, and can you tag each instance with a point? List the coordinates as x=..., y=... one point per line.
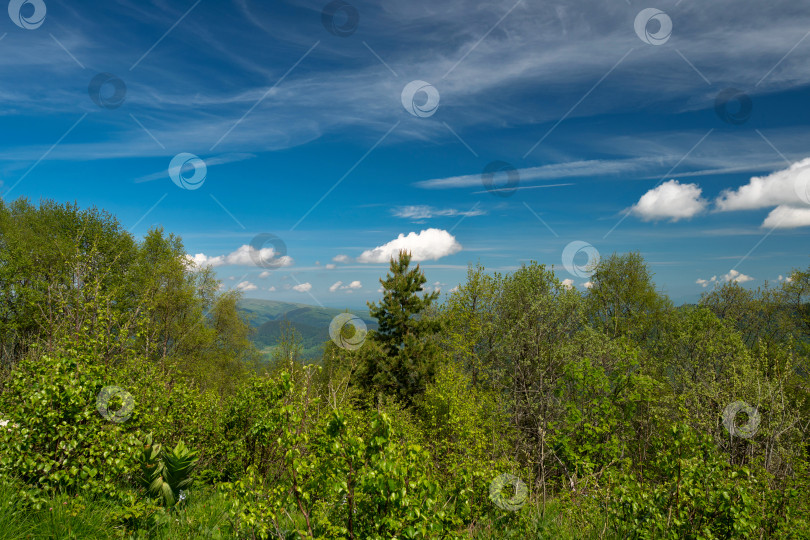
x=267, y=317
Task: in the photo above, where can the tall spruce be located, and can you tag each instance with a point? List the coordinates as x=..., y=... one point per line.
x=405, y=334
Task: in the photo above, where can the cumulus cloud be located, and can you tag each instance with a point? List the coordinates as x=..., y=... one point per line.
x=587, y=284
x=427, y=212
x=671, y=200
x=271, y=288
x=303, y=287
x=339, y=286
x=246, y=286
x=568, y=283
x=789, y=186
x=429, y=244
x=732, y=275
x=437, y=286
x=244, y=256
x=787, y=217
x=341, y=259
x=331, y=266
x=787, y=190
x=265, y=274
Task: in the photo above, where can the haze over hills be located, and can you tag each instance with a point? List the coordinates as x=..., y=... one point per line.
x=312, y=322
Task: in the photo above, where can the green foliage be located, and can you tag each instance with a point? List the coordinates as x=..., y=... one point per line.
x=622, y=300
x=388, y=489
x=164, y=474
x=469, y=437
x=71, y=272
x=689, y=490
x=469, y=321
x=59, y=441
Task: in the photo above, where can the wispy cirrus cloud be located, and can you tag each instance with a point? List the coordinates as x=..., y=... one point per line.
x=209, y=162
x=575, y=169
x=579, y=41
x=418, y=212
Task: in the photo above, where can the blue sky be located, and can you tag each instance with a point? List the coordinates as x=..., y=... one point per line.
x=622, y=134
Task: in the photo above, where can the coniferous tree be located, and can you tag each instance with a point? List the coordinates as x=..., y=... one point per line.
x=404, y=335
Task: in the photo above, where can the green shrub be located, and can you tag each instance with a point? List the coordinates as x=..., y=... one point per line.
x=165, y=473
x=59, y=441
x=689, y=490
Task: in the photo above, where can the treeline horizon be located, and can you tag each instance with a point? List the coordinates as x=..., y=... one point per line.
x=135, y=403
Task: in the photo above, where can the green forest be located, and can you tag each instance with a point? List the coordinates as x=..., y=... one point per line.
x=136, y=403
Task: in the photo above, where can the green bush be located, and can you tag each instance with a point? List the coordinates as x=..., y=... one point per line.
x=166, y=473
x=689, y=490
x=59, y=441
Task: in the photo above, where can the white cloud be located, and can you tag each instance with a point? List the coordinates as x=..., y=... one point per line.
x=553, y=171
x=787, y=217
x=331, y=266
x=568, y=283
x=303, y=287
x=341, y=259
x=437, y=286
x=429, y=244
x=209, y=162
x=242, y=257
x=573, y=48
x=338, y=285
x=789, y=186
x=197, y=260
x=454, y=289
x=271, y=288
x=265, y=274
x=705, y=282
x=587, y=284
x=733, y=275
x=427, y=212
x=671, y=200
x=246, y=286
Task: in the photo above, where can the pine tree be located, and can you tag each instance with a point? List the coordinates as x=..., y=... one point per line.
x=405, y=335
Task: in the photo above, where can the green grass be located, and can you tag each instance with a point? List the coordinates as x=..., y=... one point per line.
x=205, y=514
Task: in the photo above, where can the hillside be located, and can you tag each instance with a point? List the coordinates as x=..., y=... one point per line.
x=312, y=322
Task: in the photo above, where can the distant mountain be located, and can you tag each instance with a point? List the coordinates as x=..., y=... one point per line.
x=312, y=322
